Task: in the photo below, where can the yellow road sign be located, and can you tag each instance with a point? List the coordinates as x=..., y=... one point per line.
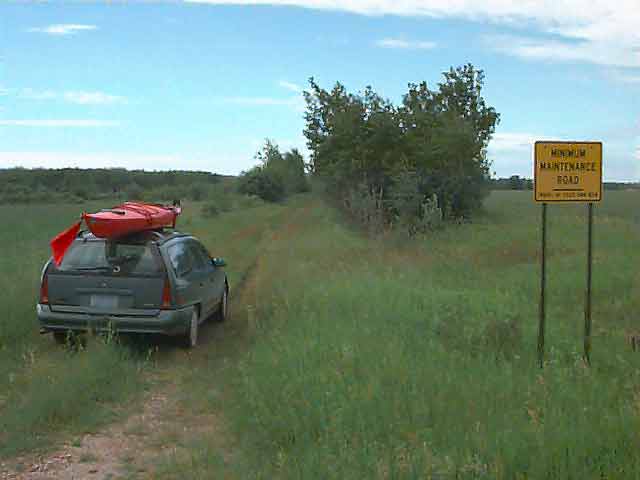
x=568, y=172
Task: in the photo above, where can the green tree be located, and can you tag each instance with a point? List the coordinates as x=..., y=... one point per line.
x=262, y=183
x=277, y=175
x=441, y=135
x=294, y=172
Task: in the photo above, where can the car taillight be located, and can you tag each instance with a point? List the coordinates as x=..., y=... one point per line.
x=166, y=294
x=44, y=291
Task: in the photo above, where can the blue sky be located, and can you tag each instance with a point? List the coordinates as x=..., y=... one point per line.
x=200, y=85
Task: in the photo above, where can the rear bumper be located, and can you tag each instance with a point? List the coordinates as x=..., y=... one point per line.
x=166, y=322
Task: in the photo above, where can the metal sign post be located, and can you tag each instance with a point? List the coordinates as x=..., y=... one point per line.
x=543, y=280
x=587, y=300
x=567, y=172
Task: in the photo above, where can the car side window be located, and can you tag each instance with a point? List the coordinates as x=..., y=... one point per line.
x=201, y=260
x=205, y=255
x=181, y=258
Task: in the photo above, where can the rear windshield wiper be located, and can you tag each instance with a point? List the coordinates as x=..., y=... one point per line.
x=93, y=269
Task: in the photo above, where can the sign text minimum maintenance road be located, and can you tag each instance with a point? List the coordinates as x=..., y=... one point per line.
x=568, y=171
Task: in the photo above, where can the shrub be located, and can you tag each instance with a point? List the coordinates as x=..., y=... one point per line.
x=210, y=210
x=133, y=191
x=171, y=193
x=82, y=192
x=198, y=192
x=262, y=182
x=277, y=176
x=366, y=207
x=413, y=210
x=248, y=201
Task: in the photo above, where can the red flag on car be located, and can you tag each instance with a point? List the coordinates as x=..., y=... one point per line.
x=62, y=241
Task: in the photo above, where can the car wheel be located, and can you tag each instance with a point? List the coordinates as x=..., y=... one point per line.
x=190, y=339
x=223, y=312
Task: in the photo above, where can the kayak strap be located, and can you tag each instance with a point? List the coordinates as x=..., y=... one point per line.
x=111, y=210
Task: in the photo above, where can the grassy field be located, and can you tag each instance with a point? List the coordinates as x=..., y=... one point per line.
x=365, y=358
x=388, y=359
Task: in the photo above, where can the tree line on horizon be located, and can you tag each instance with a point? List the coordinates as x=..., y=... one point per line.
x=516, y=182
x=20, y=185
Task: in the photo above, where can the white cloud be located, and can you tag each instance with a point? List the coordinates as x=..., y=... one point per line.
x=510, y=142
x=29, y=94
x=63, y=29
x=607, y=29
x=512, y=153
x=59, y=123
x=3, y=91
x=602, y=53
x=502, y=142
x=79, y=97
x=92, y=98
x=407, y=44
x=290, y=86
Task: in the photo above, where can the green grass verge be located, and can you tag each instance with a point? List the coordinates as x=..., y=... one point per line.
x=385, y=359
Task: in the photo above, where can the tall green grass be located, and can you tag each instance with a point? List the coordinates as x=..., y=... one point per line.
x=378, y=359
x=45, y=388
x=47, y=391
x=368, y=358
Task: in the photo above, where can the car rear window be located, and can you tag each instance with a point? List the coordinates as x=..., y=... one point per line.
x=111, y=258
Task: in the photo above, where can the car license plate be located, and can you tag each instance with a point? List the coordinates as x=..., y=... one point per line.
x=104, y=301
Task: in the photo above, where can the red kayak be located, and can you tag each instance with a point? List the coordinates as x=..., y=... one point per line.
x=130, y=217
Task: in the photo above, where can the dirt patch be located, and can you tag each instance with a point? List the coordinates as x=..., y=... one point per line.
x=100, y=455
x=246, y=232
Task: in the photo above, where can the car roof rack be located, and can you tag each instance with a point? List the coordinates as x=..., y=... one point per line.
x=158, y=235
x=165, y=236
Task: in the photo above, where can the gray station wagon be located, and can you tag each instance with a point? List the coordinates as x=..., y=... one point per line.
x=152, y=282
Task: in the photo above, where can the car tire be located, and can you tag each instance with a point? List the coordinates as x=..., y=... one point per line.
x=223, y=311
x=190, y=339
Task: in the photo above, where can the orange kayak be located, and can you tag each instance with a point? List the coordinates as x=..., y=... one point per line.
x=130, y=217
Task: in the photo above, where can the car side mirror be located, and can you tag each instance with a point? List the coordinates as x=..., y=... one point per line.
x=218, y=262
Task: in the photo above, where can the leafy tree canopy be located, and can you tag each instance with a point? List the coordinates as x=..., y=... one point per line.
x=439, y=135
